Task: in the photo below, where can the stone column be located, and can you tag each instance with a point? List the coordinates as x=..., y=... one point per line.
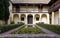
x=12, y=17
x=26, y=21
x=19, y=17
x=26, y=18
x=48, y=18
x=52, y=17
x=33, y=21
x=40, y=18
x=59, y=16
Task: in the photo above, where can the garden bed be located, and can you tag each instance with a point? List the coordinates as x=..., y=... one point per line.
x=54, y=28
x=28, y=30
x=4, y=28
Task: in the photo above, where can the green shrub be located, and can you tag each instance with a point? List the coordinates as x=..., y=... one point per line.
x=28, y=30
x=12, y=22
x=4, y=28
x=54, y=28
x=21, y=23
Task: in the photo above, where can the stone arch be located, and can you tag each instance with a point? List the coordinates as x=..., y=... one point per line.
x=16, y=18
x=44, y=18
x=37, y=16
x=23, y=17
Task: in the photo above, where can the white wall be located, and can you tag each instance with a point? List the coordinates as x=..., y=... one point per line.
x=31, y=9
x=45, y=20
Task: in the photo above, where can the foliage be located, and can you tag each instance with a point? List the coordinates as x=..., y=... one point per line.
x=4, y=10
x=4, y=28
x=54, y=28
x=12, y=22
x=28, y=30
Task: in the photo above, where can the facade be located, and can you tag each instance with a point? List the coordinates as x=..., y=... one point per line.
x=32, y=11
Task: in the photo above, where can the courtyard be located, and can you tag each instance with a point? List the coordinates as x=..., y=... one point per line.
x=30, y=19
x=38, y=31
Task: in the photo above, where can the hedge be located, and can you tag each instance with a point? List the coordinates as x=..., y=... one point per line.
x=54, y=28
x=28, y=30
x=4, y=28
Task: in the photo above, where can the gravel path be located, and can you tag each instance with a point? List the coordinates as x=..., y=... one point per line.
x=8, y=32
x=48, y=34
x=46, y=31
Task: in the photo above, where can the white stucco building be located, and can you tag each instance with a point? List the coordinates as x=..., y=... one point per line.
x=34, y=11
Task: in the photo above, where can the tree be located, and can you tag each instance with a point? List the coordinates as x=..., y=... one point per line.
x=6, y=5
x=1, y=10
x=4, y=10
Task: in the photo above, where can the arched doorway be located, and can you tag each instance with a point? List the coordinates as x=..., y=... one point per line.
x=30, y=19
x=44, y=18
x=37, y=17
x=23, y=17
x=16, y=18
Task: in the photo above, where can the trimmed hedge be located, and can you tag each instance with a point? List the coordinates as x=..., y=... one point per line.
x=54, y=28
x=4, y=28
x=28, y=30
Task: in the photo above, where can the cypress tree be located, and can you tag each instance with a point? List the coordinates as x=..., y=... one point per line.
x=4, y=10
x=6, y=13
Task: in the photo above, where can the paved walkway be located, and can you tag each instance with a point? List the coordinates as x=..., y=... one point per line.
x=13, y=30
x=48, y=34
x=29, y=36
x=46, y=31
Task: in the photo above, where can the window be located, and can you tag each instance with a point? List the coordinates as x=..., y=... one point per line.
x=37, y=19
x=22, y=18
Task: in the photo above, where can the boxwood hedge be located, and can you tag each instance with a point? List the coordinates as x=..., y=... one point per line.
x=54, y=28
x=28, y=30
x=4, y=28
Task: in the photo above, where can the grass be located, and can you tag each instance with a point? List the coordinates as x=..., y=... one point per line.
x=28, y=30
x=54, y=28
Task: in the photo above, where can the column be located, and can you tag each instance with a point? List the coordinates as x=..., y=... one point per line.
x=52, y=17
x=59, y=16
x=12, y=16
x=26, y=18
x=40, y=18
x=26, y=21
x=48, y=18
x=33, y=21
x=19, y=17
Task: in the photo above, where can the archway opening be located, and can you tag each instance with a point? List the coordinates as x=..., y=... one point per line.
x=16, y=18
x=37, y=17
x=23, y=17
x=30, y=19
x=44, y=18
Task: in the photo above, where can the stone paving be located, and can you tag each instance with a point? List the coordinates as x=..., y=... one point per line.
x=46, y=31
x=29, y=35
x=13, y=30
x=48, y=34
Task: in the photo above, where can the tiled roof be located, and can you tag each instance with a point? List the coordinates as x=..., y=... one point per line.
x=31, y=1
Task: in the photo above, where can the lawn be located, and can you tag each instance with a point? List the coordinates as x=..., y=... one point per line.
x=28, y=30
x=54, y=28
